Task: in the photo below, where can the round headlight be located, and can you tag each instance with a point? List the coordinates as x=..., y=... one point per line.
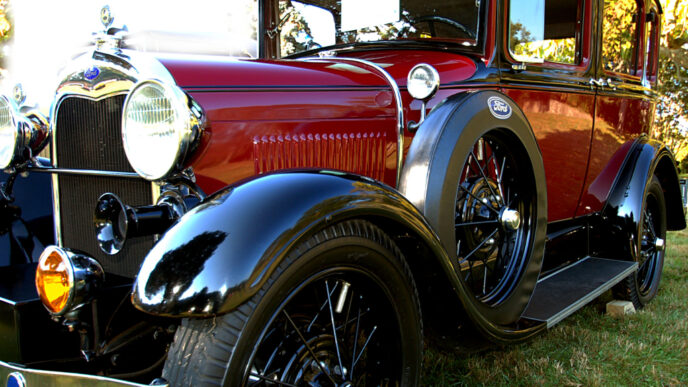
x=159, y=125
x=8, y=133
x=423, y=81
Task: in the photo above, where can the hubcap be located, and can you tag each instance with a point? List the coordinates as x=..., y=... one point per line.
x=659, y=244
x=510, y=219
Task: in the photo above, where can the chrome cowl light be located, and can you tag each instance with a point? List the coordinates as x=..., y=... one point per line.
x=423, y=81
x=66, y=280
x=161, y=126
x=22, y=136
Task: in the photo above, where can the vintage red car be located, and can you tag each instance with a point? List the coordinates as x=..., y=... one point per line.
x=297, y=211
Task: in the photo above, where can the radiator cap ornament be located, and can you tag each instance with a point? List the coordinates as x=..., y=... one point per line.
x=106, y=16
x=18, y=94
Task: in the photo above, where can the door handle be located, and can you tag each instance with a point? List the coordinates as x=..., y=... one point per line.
x=597, y=82
x=601, y=82
x=611, y=84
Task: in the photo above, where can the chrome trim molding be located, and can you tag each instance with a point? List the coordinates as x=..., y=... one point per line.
x=56, y=211
x=397, y=97
x=84, y=172
x=36, y=377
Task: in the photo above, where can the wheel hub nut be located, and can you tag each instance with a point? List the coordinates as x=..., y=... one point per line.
x=659, y=244
x=510, y=219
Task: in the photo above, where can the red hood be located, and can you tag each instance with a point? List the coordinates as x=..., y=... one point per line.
x=451, y=67
x=193, y=72
x=267, y=115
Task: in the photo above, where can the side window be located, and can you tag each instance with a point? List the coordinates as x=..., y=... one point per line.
x=545, y=30
x=619, y=36
x=304, y=27
x=652, y=46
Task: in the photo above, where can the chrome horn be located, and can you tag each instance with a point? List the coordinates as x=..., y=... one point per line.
x=115, y=222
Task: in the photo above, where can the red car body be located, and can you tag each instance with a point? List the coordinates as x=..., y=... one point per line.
x=519, y=188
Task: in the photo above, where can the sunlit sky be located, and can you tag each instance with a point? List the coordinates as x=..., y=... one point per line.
x=47, y=34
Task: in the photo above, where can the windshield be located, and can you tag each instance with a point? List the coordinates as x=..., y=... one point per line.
x=312, y=24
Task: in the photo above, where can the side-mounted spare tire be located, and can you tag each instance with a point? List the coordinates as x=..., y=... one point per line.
x=349, y=276
x=475, y=171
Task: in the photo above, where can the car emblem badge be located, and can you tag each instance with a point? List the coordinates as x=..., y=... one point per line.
x=15, y=379
x=91, y=73
x=499, y=108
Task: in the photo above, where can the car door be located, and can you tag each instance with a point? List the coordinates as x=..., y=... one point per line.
x=626, y=69
x=546, y=65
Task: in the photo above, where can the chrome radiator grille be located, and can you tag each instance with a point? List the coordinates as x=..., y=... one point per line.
x=88, y=137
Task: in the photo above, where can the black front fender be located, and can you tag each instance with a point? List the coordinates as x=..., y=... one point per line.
x=220, y=253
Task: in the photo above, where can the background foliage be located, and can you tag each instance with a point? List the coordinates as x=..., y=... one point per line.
x=5, y=29
x=671, y=123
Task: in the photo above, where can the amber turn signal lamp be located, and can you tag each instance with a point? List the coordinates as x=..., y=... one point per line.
x=54, y=279
x=66, y=280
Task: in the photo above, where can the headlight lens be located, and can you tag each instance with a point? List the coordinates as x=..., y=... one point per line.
x=8, y=133
x=157, y=128
x=423, y=81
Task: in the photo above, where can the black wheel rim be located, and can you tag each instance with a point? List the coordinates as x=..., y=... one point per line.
x=494, y=218
x=300, y=348
x=651, y=252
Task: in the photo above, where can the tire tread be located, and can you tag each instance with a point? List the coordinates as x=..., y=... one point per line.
x=202, y=348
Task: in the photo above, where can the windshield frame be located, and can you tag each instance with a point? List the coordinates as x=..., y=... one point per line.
x=269, y=44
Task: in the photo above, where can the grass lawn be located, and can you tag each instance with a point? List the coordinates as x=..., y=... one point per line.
x=590, y=348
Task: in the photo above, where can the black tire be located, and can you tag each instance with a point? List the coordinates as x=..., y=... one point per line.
x=378, y=340
x=642, y=286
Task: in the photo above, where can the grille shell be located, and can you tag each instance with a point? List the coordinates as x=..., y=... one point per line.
x=88, y=137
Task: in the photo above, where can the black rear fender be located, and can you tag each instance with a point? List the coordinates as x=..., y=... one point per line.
x=622, y=212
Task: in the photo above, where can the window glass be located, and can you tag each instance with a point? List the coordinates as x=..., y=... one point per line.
x=619, y=36
x=545, y=30
x=311, y=24
x=212, y=27
x=651, y=47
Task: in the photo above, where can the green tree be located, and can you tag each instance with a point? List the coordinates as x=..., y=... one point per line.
x=5, y=29
x=672, y=110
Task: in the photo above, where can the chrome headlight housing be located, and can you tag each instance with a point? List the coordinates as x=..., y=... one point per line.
x=22, y=136
x=161, y=125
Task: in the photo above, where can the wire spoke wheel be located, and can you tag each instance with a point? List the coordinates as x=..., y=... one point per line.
x=341, y=310
x=643, y=285
x=333, y=331
x=494, y=217
x=650, y=253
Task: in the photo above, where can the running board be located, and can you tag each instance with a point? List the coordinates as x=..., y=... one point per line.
x=560, y=294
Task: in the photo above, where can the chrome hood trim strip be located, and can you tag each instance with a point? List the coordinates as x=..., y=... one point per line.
x=397, y=98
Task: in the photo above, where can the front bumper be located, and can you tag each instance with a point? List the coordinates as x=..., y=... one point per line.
x=42, y=378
